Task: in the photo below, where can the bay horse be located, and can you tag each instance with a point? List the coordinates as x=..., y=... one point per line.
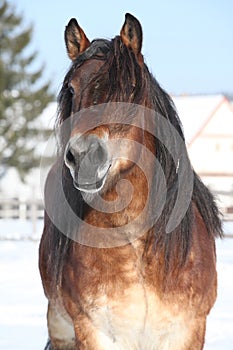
x=120, y=278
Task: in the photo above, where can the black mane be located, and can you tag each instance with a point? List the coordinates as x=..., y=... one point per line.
x=131, y=82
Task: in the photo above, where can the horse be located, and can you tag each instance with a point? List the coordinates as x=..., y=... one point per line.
x=127, y=256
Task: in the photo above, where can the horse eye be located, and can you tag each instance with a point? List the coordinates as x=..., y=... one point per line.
x=71, y=89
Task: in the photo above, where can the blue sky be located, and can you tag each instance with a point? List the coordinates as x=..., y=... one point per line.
x=188, y=44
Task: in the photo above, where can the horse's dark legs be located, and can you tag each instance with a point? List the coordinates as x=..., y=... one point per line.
x=48, y=346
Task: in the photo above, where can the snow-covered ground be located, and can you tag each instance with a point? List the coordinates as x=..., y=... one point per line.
x=23, y=305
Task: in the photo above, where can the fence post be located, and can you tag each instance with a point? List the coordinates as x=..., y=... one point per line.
x=22, y=208
x=34, y=212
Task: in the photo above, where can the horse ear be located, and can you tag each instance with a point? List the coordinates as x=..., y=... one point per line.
x=131, y=33
x=76, y=40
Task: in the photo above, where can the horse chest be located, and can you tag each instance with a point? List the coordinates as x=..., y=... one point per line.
x=137, y=320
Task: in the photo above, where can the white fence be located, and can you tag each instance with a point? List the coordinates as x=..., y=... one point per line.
x=23, y=219
x=17, y=208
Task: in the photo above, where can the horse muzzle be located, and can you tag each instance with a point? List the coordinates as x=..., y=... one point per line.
x=87, y=158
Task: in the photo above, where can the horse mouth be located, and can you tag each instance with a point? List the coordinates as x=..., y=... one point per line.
x=92, y=187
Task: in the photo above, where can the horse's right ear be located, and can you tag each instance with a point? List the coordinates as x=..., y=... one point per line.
x=76, y=40
x=131, y=34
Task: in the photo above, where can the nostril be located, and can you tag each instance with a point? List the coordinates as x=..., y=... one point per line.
x=99, y=155
x=93, y=156
x=70, y=157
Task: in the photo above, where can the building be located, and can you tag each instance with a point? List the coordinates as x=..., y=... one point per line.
x=208, y=127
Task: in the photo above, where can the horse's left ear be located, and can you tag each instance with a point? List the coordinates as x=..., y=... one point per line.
x=76, y=40
x=131, y=33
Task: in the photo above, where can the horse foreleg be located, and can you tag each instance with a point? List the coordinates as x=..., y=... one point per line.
x=61, y=331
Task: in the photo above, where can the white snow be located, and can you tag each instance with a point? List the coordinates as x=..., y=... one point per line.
x=11, y=229
x=23, y=305
x=220, y=321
